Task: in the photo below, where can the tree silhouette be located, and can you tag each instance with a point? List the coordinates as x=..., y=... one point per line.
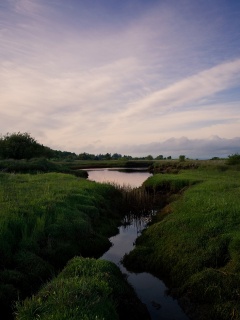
x=21, y=146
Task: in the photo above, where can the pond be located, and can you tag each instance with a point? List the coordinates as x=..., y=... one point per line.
x=122, y=176
x=151, y=290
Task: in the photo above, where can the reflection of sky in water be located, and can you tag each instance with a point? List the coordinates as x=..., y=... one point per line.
x=134, y=179
x=122, y=243
x=150, y=289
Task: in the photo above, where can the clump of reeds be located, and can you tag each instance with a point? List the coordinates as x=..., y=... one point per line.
x=136, y=201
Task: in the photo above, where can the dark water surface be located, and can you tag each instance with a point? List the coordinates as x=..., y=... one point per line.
x=150, y=290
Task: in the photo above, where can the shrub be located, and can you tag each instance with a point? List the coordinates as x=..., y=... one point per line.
x=234, y=159
x=21, y=146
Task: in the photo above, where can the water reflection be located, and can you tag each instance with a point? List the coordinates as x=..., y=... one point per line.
x=150, y=290
x=121, y=176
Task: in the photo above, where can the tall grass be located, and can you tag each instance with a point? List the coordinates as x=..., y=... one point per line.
x=45, y=220
x=197, y=243
x=138, y=202
x=85, y=289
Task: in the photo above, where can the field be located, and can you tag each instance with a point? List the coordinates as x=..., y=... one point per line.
x=194, y=241
x=47, y=219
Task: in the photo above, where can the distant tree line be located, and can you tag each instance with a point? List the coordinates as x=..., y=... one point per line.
x=19, y=145
x=118, y=156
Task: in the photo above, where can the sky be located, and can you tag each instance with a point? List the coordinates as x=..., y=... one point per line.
x=136, y=77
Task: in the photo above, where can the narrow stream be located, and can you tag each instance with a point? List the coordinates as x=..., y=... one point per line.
x=150, y=290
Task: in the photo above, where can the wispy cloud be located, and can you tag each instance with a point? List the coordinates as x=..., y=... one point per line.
x=29, y=7
x=190, y=90
x=72, y=74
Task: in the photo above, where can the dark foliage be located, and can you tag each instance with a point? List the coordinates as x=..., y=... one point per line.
x=22, y=146
x=233, y=159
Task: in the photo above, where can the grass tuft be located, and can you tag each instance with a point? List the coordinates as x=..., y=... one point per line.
x=85, y=289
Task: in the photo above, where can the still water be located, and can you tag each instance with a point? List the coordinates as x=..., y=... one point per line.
x=150, y=290
x=121, y=176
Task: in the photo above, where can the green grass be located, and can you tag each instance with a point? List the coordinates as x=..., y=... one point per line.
x=175, y=166
x=38, y=165
x=45, y=220
x=83, y=164
x=85, y=289
x=196, y=245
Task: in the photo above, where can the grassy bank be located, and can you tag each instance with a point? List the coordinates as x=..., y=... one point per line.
x=45, y=220
x=42, y=165
x=83, y=164
x=38, y=165
x=175, y=166
x=195, y=241
x=85, y=289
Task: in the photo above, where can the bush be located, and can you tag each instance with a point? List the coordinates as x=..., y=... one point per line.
x=234, y=159
x=21, y=146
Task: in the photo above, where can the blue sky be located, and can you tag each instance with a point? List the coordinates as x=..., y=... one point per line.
x=133, y=76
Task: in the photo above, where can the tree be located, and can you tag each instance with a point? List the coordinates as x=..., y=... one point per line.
x=149, y=157
x=86, y=156
x=182, y=158
x=116, y=156
x=21, y=146
x=160, y=157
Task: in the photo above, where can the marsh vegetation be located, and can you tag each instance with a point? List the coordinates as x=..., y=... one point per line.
x=194, y=240
x=47, y=219
x=49, y=215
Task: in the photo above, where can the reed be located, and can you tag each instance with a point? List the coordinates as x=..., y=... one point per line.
x=138, y=202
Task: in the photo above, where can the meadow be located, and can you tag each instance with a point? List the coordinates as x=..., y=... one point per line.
x=194, y=241
x=47, y=219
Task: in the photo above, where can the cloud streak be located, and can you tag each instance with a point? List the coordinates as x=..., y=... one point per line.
x=72, y=74
x=190, y=90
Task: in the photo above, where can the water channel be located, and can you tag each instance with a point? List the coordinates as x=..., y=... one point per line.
x=150, y=290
